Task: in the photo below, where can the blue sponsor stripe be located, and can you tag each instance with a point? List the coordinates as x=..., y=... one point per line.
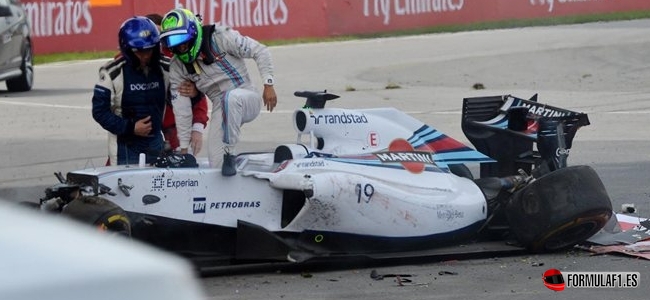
x=503, y=124
x=369, y=162
x=500, y=121
x=224, y=117
x=458, y=150
x=420, y=141
x=462, y=156
x=426, y=134
x=226, y=67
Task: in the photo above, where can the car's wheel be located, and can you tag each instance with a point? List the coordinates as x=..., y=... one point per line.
x=25, y=81
x=99, y=212
x=559, y=210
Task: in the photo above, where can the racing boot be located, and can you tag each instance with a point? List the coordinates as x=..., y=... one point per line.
x=228, y=168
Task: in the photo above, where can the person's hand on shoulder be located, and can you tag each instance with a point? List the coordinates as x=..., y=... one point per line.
x=188, y=89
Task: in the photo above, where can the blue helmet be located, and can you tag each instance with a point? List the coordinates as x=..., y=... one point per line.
x=138, y=33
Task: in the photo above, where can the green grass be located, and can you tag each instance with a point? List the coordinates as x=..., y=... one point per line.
x=48, y=58
x=57, y=57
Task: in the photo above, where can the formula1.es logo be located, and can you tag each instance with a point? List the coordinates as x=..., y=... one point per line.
x=553, y=280
x=557, y=281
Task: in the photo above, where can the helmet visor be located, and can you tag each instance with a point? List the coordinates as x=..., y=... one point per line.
x=181, y=49
x=173, y=39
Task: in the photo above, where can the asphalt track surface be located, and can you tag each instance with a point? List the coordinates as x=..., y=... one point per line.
x=600, y=68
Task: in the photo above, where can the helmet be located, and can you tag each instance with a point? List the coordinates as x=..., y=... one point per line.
x=180, y=26
x=138, y=33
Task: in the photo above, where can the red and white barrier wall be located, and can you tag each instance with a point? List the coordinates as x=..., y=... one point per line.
x=87, y=25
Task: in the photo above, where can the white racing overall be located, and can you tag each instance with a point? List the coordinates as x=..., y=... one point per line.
x=227, y=83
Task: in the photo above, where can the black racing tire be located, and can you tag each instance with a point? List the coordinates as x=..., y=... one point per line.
x=461, y=170
x=559, y=210
x=25, y=81
x=100, y=213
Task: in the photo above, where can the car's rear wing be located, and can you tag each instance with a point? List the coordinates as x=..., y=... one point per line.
x=506, y=127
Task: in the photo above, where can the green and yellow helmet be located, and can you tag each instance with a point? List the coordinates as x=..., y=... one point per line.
x=181, y=26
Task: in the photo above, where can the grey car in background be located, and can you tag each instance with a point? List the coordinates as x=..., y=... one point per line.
x=16, y=65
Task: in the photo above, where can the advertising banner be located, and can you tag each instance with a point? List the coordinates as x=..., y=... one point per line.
x=92, y=25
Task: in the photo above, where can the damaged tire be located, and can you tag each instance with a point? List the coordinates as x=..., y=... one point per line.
x=100, y=213
x=559, y=210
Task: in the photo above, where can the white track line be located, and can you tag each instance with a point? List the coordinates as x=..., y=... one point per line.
x=44, y=105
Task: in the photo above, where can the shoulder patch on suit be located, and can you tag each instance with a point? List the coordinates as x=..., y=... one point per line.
x=114, y=73
x=165, y=62
x=113, y=67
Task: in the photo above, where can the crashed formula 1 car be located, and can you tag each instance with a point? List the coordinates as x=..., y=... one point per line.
x=359, y=182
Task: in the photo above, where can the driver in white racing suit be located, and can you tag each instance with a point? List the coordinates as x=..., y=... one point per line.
x=213, y=57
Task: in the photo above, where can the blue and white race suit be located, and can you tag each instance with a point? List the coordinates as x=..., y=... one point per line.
x=123, y=95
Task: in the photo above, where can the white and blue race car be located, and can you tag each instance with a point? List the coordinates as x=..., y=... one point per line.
x=364, y=182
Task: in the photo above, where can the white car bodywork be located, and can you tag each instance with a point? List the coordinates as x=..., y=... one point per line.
x=372, y=192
